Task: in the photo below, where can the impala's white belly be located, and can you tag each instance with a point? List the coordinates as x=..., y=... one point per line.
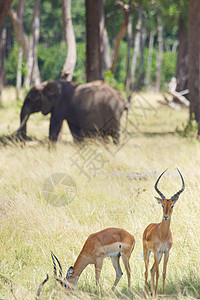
x=112, y=250
x=112, y=254
x=163, y=250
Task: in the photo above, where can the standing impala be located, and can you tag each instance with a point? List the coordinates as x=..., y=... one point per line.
x=157, y=238
x=112, y=242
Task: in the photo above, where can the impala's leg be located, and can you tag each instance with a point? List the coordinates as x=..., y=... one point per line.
x=98, y=267
x=166, y=257
x=157, y=258
x=146, y=253
x=153, y=269
x=125, y=259
x=116, y=265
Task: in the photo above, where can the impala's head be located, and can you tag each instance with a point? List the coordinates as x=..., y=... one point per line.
x=168, y=204
x=71, y=281
x=68, y=282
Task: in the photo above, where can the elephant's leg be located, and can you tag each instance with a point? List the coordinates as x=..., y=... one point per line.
x=114, y=130
x=22, y=133
x=115, y=136
x=105, y=139
x=76, y=132
x=55, y=127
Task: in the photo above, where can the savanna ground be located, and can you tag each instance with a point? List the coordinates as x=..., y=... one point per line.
x=110, y=193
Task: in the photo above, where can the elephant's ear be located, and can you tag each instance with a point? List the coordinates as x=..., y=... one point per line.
x=51, y=93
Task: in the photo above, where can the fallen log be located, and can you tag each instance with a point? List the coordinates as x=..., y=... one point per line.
x=169, y=103
x=178, y=95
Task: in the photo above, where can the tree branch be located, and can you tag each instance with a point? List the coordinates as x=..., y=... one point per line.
x=4, y=9
x=121, y=32
x=19, y=31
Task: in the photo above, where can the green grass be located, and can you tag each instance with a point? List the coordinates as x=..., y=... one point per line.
x=109, y=196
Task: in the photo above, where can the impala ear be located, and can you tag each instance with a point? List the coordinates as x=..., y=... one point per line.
x=159, y=200
x=69, y=273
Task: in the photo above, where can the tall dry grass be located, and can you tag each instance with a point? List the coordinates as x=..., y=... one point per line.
x=113, y=197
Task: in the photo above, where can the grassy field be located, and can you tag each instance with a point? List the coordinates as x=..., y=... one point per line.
x=114, y=188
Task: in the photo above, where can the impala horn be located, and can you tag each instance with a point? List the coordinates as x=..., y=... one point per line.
x=54, y=265
x=181, y=190
x=156, y=186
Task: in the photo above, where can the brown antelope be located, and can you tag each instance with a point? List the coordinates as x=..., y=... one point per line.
x=112, y=242
x=157, y=238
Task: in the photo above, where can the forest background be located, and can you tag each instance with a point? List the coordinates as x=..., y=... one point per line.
x=155, y=26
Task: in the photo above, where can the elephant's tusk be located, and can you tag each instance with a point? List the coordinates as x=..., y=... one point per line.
x=23, y=123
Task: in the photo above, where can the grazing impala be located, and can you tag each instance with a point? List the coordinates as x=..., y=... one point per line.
x=112, y=242
x=157, y=238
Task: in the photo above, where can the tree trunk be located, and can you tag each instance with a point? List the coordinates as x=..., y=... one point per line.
x=19, y=71
x=21, y=37
x=160, y=54
x=29, y=64
x=70, y=62
x=136, y=49
x=93, y=47
x=33, y=74
x=129, y=39
x=194, y=60
x=174, y=46
x=149, y=59
x=106, y=49
x=140, y=77
x=121, y=34
x=20, y=16
x=2, y=56
x=20, y=10
x=29, y=46
x=4, y=9
x=182, y=59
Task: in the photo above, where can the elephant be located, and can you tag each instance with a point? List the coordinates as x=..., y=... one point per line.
x=90, y=108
